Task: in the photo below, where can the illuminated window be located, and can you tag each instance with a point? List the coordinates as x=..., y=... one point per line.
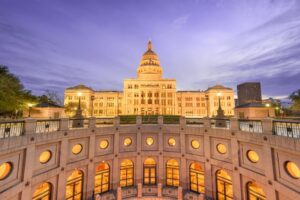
x=252, y=156
x=224, y=186
x=42, y=192
x=149, y=141
x=74, y=186
x=292, y=169
x=171, y=142
x=5, y=170
x=254, y=192
x=45, y=156
x=172, y=173
x=196, y=178
x=103, y=144
x=149, y=171
x=127, y=141
x=195, y=144
x=102, y=178
x=126, y=173
x=76, y=149
x=221, y=148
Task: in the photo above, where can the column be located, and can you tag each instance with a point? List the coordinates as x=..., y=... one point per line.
x=62, y=178
x=64, y=124
x=91, y=168
x=159, y=190
x=160, y=163
x=208, y=181
x=28, y=172
x=236, y=180
x=30, y=126
x=179, y=194
x=269, y=171
x=138, y=166
x=183, y=170
x=92, y=122
x=139, y=190
x=116, y=172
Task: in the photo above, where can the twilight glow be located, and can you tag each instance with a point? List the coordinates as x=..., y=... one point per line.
x=56, y=44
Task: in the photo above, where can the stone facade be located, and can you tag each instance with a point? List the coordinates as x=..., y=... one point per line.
x=269, y=172
x=150, y=94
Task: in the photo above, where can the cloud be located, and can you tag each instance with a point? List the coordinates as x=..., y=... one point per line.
x=179, y=22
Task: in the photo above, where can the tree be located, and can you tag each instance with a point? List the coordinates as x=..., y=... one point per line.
x=13, y=96
x=295, y=97
x=50, y=97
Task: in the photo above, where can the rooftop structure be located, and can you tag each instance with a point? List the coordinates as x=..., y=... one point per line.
x=149, y=94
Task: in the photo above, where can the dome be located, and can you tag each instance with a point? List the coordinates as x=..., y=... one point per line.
x=149, y=65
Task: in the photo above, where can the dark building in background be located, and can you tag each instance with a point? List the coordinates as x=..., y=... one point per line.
x=249, y=92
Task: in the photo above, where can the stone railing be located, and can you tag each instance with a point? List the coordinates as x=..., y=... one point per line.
x=285, y=128
x=11, y=128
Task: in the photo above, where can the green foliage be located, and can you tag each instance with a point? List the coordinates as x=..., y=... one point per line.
x=50, y=97
x=13, y=96
x=128, y=119
x=295, y=97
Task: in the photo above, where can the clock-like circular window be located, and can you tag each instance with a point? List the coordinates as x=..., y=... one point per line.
x=195, y=144
x=149, y=141
x=252, y=156
x=171, y=141
x=45, y=156
x=103, y=144
x=292, y=169
x=76, y=149
x=127, y=141
x=221, y=148
x=5, y=170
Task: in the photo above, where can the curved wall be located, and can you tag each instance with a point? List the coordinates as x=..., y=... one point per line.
x=269, y=172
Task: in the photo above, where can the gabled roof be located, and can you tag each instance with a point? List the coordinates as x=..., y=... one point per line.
x=219, y=87
x=81, y=87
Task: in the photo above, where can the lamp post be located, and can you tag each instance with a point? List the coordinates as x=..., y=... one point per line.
x=92, y=110
x=220, y=112
x=220, y=122
x=277, y=111
x=78, y=121
x=268, y=106
x=29, y=109
x=79, y=94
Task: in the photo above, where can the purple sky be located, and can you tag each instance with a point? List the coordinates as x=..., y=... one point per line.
x=56, y=44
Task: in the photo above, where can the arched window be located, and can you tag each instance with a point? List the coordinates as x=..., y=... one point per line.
x=224, y=186
x=196, y=177
x=254, y=192
x=149, y=171
x=172, y=173
x=74, y=186
x=42, y=192
x=102, y=178
x=126, y=173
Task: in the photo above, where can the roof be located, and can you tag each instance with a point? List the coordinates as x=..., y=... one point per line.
x=195, y=91
x=114, y=91
x=45, y=104
x=251, y=105
x=81, y=87
x=219, y=87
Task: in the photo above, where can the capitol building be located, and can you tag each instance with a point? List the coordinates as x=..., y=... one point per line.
x=150, y=94
x=150, y=142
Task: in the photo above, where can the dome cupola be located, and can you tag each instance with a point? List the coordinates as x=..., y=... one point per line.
x=149, y=66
